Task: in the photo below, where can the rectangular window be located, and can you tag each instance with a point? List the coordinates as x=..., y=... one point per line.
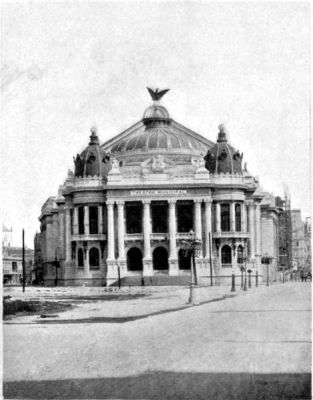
x=184, y=217
x=159, y=218
x=14, y=266
x=238, y=217
x=93, y=220
x=225, y=217
x=133, y=217
x=81, y=214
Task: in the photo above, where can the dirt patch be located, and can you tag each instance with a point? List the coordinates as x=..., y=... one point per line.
x=14, y=308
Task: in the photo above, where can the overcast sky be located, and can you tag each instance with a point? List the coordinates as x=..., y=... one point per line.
x=69, y=65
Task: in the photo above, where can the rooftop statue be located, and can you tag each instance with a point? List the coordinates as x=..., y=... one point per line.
x=156, y=95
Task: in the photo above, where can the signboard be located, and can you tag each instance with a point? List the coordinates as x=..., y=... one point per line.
x=157, y=192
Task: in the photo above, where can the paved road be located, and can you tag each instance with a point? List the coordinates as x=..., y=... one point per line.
x=256, y=345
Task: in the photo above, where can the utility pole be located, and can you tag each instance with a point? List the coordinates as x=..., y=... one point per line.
x=23, y=260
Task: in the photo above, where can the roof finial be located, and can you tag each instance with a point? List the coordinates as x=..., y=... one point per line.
x=221, y=137
x=156, y=95
x=93, y=137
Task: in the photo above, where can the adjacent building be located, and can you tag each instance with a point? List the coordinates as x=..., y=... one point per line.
x=12, y=260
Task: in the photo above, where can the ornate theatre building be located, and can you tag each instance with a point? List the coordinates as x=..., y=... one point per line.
x=129, y=203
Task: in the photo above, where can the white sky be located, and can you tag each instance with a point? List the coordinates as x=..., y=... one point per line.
x=69, y=65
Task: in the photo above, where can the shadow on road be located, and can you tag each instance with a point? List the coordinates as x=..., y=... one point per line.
x=168, y=385
x=117, y=320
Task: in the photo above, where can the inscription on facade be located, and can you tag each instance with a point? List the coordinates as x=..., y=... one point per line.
x=156, y=192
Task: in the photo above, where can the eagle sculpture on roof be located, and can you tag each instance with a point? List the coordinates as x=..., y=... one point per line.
x=156, y=95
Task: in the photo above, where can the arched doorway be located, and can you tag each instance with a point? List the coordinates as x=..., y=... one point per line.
x=160, y=259
x=134, y=259
x=184, y=262
x=226, y=254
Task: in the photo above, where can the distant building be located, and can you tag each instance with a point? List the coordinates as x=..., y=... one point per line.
x=298, y=240
x=12, y=260
x=270, y=238
x=284, y=234
x=7, y=236
x=308, y=244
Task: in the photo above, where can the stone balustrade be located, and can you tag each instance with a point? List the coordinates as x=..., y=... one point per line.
x=89, y=237
x=231, y=234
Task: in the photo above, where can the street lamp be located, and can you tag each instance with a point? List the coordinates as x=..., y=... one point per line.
x=244, y=260
x=191, y=248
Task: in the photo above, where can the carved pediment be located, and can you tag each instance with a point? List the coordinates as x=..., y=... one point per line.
x=157, y=164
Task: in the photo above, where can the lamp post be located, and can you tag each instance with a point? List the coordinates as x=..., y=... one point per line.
x=192, y=247
x=242, y=270
x=249, y=281
x=244, y=260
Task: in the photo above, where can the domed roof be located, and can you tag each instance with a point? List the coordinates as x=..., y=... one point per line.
x=223, y=158
x=93, y=161
x=157, y=132
x=156, y=111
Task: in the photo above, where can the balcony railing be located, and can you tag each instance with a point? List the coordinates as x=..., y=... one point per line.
x=230, y=234
x=159, y=236
x=94, y=236
x=133, y=236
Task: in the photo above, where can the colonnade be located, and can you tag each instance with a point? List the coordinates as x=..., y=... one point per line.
x=254, y=227
x=147, y=228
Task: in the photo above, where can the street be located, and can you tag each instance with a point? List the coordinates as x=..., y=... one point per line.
x=254, y=345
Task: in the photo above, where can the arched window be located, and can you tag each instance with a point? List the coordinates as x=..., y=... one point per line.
x=94, y=258
x=225, y=217
x=226, y=255
x=80, y=258
x=238, y=217
x=239, y=254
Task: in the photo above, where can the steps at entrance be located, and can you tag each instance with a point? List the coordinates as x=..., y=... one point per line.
x=156, y=280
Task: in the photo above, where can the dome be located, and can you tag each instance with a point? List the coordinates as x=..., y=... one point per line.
x=93, y=161
x=156, y=111
x=223, y=158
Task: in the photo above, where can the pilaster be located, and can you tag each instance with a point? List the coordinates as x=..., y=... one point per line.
x=121, y=230
x=110, y=238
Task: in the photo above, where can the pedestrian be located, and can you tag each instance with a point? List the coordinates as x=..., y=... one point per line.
x=302, y=275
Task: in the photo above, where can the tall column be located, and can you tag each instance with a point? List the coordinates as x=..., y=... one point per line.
x=75, y=223
x=68, y=246
x=172, y=228
x=232, y=217
x=147, y=229
x=110, y=238
x=244, y=217
x=121, y=230
x=100, y=219
x=198, y=225
x=218, y=217
x=208, y=227
x=86, y=220
x=87, y=266
x=251, y=228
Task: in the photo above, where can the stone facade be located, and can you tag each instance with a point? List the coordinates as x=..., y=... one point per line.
x=152, y=187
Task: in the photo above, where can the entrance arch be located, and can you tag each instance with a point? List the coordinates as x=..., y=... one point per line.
x=134, y=259
x=184, y=262
x=160, y=259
